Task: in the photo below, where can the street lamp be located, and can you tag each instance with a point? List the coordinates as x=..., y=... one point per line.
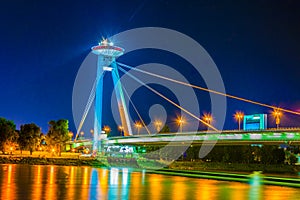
x=138, y=126
x=277, y=114
x=238, y=116
x=107, y=129
x=157, y=124
x=120, y=128
x=180, y=121
x=81, y=134
x=92, y=132
x=207, y=117
x=70, y=135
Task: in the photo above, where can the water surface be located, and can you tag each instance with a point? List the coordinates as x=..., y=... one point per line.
x=70, y=182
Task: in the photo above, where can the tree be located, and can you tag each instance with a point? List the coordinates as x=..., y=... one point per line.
x=58, y=134
x=29, y=137
x=8, y=133
x=165, y=129
x=270, y=154
x=293, y=159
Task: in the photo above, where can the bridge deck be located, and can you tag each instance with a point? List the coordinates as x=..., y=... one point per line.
x=289, y=136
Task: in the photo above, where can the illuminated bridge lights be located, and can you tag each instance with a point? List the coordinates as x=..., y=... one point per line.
x=238, y=136
x=230, y=137
x=255, y=136
x=227, y=138
x=290, y=135
x=199, y=137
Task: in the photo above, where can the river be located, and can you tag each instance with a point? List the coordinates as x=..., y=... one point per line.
x=72, y=182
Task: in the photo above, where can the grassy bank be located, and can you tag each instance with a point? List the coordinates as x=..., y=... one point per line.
x=235, y=167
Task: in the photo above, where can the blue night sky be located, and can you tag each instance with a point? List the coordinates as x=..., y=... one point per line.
x=255, y=45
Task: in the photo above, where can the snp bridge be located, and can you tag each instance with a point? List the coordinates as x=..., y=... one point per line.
x=107, y=54
x=233, y=137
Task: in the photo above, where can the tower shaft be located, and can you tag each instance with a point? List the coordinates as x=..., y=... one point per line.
x=98, y=105
x=121, y=101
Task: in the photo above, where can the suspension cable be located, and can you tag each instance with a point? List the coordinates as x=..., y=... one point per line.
x=136, y=111
x=89, y=104
x=209, y=90
x=170, y=101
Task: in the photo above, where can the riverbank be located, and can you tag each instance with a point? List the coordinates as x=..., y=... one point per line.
x=235, y=167
x=78, y=160
x=43, y=160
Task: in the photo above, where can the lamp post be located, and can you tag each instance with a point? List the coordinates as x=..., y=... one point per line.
x=138, y=126
x=157, y=124
x=107, y=129
x=120, y=128
x=70, y=135
x=180, y=121
x=277, y=114
x=238, y=116
x=81, y=134
x=92, y=132
x=207, y=117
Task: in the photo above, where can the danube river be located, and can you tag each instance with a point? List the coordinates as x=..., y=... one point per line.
x=70, y=182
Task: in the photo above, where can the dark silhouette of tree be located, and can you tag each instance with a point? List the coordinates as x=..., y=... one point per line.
x=29, y=137
x=293, y=159
x=271, y=154
x=165, y=129
x=58, y=134
x=8, y=133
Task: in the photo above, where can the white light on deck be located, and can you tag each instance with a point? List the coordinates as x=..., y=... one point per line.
x=107, y=69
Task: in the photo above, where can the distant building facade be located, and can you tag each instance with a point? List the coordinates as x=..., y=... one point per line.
x=255, y=122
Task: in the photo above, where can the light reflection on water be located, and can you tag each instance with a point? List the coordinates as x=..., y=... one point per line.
x=57, y=182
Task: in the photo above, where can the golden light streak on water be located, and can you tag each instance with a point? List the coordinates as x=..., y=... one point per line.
x=51, y=175
x=9, y=174
x=103, y=179
x=9, y=185
x=37, y=190
x=135, y=182
x=178, y=188
x=275, y=193
x=38, y=177
x=84, y=193
x=51, y=189
x=239, y=191
x=155, y=186
x=85, y=176
x=71, y=178
x=72, y=175
x=206, y=190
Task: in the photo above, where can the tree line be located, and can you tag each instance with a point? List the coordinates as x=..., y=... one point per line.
x=246, y=154
x=30, y=137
